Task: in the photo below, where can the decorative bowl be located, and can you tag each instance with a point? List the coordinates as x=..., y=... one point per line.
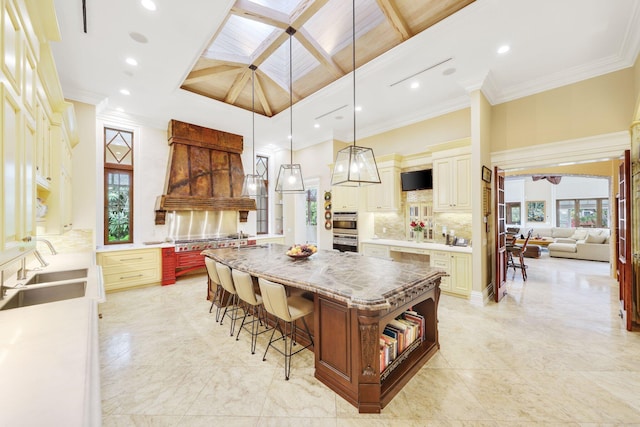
x=300, y=256
x=301, y=251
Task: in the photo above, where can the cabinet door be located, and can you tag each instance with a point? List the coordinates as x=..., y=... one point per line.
x=376, y=251
x=344, y=198
x=10, y=170
x=384, y=197
x=442, y=188
x=460, y=277
x=462, y=182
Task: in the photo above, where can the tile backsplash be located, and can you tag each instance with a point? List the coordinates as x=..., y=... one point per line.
x=394, y=225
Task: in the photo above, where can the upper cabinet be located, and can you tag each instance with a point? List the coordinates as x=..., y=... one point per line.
x=344, y=199
x=452, y=180
x=30, y=99
x=385, y=197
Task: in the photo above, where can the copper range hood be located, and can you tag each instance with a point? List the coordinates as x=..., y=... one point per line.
x=204, y=173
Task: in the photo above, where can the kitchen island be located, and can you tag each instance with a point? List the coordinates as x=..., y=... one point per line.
x=355, y=297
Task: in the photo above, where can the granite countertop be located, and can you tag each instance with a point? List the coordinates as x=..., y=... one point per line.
x=421, y=245
x=362, y=282
x=49, y=353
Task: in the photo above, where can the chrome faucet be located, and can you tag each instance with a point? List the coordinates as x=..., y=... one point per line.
x=22, y=272
x=48, y=243
x=40, y=259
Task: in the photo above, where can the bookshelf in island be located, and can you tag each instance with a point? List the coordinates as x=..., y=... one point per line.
x=355, y=299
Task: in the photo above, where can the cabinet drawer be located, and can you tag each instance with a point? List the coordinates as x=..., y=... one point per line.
x=410, y=250
x=122, y=280
x=376, y=251
x=129, y=258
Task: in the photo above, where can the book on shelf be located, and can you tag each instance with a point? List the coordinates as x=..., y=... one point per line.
x=399, y=334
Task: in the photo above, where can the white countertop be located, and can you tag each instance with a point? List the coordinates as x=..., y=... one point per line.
x=49, y=354
x=422, y=245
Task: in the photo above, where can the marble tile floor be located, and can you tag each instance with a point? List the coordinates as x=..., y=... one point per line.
x=553, y=352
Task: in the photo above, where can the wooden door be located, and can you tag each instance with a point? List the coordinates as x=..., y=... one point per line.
x=624, y=238
x=500, y=287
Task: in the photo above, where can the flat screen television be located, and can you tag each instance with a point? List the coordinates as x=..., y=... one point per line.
x=417, y=180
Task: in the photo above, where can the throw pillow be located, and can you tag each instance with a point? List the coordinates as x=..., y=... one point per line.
x=579, y=235
x=592, y=238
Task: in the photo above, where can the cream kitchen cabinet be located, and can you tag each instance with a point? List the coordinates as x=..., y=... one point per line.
x=127, y=269
x=375, y=251
x=385, y=197
x=17, y=191
x=458, y=266
x=452, y=183
x=59, y=199
x=344, y=199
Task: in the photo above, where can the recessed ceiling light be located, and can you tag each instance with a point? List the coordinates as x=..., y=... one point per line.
x=125, y=92
x=415, y=85
x=148, y=4
x=131, y=61
x=358, y=108
x=503, y=49
x=317, y=125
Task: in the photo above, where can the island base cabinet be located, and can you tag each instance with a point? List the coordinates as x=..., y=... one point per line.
x=347, y=348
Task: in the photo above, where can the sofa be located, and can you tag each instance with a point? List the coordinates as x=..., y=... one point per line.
x=593, y=244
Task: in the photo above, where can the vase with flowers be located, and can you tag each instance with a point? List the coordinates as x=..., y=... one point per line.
x=418, y=229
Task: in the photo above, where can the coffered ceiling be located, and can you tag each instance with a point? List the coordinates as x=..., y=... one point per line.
x=255, y=32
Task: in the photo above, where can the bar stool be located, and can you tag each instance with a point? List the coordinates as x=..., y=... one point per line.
x=214, y=280
x=252, y=304
x=231, y=309
x=287, y=309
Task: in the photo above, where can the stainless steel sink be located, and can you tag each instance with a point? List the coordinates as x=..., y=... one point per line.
x=41, y=295
x=57, y=276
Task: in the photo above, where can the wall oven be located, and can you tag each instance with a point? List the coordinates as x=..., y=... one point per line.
x=345, y=231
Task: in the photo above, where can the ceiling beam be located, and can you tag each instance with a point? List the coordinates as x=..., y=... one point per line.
x=259, y=13
x=395, y=19
x=238, y=84
x=262, y=97
x=207, y=73
x=319, y=53
x=304, y=11
x=268, y=46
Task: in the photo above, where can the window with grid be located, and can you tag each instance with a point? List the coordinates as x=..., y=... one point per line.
x=262, y=202
x=587, y=213
x=118, y=186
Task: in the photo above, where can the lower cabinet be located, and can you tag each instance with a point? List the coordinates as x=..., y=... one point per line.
x=458, y=266
x=130, y=268
x=376, y=251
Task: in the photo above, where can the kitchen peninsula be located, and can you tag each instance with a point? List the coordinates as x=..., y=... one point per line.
x=355, y=297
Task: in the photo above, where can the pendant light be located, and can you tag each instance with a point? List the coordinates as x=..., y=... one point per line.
x=355, y=166
x=253, y=185
x=290, y=175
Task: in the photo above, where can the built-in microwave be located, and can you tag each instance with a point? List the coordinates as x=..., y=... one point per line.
x=345, y=222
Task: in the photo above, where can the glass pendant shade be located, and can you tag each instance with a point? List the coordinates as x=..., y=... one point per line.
x=253, y=185
x=290, y=179
x=355, y=166
x=290, y=175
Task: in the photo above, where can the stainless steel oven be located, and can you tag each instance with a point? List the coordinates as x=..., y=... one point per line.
x=345, y=242
x=345, y=231
x=345, y=221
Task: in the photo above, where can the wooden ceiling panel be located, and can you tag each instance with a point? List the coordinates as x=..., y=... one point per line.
x=425, y=13
x=256, y=33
